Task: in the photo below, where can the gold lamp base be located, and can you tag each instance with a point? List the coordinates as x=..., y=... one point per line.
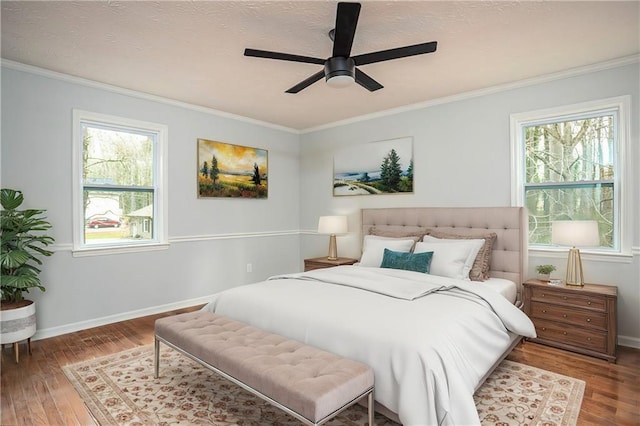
x=574, y=268
x=333, y=248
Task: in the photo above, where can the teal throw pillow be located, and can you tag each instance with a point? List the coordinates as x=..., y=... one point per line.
x=418, y=262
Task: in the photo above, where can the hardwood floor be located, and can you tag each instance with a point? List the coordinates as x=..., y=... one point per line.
x=36, y=391
x=612, y=393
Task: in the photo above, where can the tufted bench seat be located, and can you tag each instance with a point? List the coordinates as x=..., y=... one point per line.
x=310, y=384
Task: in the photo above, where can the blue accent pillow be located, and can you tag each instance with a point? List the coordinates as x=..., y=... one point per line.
x=418, y=262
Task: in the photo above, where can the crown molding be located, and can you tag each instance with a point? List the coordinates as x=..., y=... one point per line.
x=18, y=66
x=615, y=63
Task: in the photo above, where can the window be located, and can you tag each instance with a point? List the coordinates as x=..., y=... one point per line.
x=568, y=164
x=118, y=183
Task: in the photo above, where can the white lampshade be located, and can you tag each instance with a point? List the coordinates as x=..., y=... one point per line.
x=332, y=225
x=576, y=233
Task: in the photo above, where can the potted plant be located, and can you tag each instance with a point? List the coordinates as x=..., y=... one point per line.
x=24, y=241
x=544, y=271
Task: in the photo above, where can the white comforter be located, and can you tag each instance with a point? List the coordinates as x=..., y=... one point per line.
x=429, y=339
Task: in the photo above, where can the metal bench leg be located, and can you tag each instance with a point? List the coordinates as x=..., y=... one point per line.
x=370, y=403
x=156, y=358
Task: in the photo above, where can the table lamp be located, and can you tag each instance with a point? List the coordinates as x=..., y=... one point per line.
x=332, y=225
x=575, y=233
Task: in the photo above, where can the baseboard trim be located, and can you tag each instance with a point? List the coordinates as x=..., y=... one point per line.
x=96, y=322
x=632, y=342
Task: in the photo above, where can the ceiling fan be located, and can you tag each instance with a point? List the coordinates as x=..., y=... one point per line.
x=340, y=69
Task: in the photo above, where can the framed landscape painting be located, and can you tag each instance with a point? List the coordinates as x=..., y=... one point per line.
x=231, y=171
x=374, y=168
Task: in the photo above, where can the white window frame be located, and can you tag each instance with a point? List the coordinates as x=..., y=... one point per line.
x=622, y=178
x=160, y=185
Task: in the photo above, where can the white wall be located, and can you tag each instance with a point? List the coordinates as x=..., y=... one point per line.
x=462, y=158
x=461, y=154
x=85, y=291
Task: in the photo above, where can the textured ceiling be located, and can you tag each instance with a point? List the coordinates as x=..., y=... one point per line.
x=193, y=51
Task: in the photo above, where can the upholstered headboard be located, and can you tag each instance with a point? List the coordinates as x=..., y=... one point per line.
x=509, y=254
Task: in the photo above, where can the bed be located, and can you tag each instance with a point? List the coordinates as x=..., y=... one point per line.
x=430, y=339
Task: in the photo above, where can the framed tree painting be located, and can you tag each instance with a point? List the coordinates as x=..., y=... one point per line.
x=384, y=167
x=231, y=171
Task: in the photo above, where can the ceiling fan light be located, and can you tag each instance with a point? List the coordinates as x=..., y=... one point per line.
x=340, y=81
x=339, y=71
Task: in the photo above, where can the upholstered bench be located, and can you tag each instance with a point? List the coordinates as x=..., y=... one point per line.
x=308, y=383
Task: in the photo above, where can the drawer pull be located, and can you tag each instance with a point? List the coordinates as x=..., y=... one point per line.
x=544, y=328
x=564, y=297
x=589, y=302
x=589, y=339
x=588, y=319
x=544, y=311
x=564, y=332
x=564, y=315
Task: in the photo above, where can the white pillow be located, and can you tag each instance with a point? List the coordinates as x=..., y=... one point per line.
x=451, y=258
x=373, y=248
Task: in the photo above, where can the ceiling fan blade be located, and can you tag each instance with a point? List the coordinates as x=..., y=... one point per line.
x=367, y=82
x=399, y=52
x=306, y=83
x=282, y=56
x=345, y=30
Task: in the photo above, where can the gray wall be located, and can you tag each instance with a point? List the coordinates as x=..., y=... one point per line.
x=202, y=258
x=461, y=155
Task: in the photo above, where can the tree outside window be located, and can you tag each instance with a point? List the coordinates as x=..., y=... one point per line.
x=569, y=175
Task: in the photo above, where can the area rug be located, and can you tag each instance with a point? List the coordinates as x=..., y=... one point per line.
x=120, y=389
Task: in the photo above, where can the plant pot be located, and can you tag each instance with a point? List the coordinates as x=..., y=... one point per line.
x=544, y=277
x=17, y=321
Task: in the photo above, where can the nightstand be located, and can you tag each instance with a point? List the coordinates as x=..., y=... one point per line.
x=578, y=319
x=323, y=262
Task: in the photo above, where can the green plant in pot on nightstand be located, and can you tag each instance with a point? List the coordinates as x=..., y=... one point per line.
x=24, y=242
x=544, y=271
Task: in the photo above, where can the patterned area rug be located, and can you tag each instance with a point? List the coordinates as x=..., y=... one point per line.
x=120, y=389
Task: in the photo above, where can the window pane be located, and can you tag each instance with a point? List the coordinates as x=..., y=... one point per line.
x=570, y=151
x=578, y=203
x=568, y=164
x=117, y=216
x=117, y=157
x=118, y=184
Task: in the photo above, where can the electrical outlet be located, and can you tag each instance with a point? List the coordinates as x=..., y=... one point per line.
x=249, y=267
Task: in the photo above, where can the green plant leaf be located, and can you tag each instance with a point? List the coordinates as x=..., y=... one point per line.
x=24, y=242
x=14, y=259
x=11, y=199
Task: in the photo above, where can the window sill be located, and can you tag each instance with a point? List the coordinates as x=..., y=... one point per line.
x=585, y=254
x=118, y=249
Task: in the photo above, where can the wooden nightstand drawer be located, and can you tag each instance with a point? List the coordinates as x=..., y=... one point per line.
x=323, y=262
x=568, y=299
x=582, y=317
x=308, y=266
x=559, y=333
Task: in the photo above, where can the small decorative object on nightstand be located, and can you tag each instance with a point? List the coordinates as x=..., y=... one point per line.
x=579, y=319
x=544, y=271
x=323, y=262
